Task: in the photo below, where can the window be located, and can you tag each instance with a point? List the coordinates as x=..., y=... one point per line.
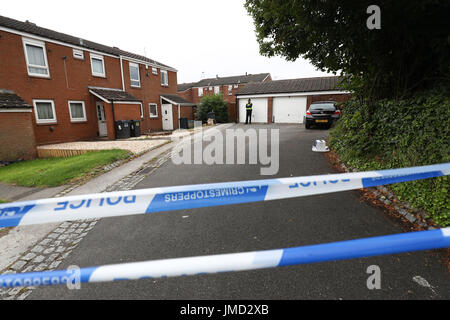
x=154, y=70
x=153, y=110
x=200, y=92
x=77, y=111
x=78, y=54
x=36, y=58
x=216, y=90
x=164, y=78
x=98, y=66
x=210, y=88
x=236, y=86
x=134, y=75
x=45, y=111
x=230, y=90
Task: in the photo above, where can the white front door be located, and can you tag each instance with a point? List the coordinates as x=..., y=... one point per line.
x=259, y=112
x=289, y=109
x=167, y=118
x=102, y=129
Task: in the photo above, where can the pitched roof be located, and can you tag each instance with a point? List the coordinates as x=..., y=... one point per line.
x=113, y=94
x=291, y=86
x=243, y=79
x=8, y=99
x=185, y=86
x=174, y=98
x=32, y=28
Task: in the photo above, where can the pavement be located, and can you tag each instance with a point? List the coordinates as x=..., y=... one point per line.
x=249, y=227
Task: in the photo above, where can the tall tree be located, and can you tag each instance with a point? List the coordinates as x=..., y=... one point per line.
x=409, y=53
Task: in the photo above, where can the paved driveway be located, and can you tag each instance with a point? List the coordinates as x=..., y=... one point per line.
x=256, y=226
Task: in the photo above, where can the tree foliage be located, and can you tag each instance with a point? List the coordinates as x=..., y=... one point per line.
x=213, y=103
x=411, y=51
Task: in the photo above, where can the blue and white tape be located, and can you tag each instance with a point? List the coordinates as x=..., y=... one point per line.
x=206, y=195
x=361, y=248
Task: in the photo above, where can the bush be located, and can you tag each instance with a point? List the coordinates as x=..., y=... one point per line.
x=400, y=133
x=213, y=103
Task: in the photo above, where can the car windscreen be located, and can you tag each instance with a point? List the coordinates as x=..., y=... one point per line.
x=323, y=106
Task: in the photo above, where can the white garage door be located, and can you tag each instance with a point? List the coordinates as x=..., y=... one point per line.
x=259, y=114
x=289, y=109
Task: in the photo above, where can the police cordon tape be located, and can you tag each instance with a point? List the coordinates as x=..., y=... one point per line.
x=360, y=248
x=196, y=196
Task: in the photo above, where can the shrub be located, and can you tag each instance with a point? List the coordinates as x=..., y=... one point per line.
x=400, y=133
x=213, y=103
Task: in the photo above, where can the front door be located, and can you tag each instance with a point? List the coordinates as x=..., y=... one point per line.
x=167, y=118
x=102, y=129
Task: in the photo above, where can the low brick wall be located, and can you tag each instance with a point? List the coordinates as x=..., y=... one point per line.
x=17, y=138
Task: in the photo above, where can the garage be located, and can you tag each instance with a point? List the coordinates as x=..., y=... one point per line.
x=286, y=101
x=259, y=114
x=289, y=109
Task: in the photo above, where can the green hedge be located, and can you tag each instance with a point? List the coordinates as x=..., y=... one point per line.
x=400, y=133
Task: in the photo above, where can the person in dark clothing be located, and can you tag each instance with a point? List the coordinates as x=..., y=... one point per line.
x=249, y=108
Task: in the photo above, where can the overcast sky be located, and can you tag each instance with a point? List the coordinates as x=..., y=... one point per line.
x=200, y=38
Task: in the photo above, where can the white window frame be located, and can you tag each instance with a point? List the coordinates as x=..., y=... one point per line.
x=98, y=57
x=45, y=121
x=155, y=70
x=41, y=44
x=135, y=65
x=150, y=110
x=200, y=92
x=216, y=89
x=84, y=119
x=236, y=86
x=230, y=90
x=78, y=54
x=166, y=84
x=210, y=88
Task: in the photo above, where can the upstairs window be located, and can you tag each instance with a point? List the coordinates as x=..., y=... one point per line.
x=216, y=90
x=164, y=78
x=98, y=66
x=154, y=70
x=230, y=90
x=134, y=75
x=200, y=92
x=36, y=58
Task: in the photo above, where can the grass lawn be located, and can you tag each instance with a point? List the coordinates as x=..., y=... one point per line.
x=58, y=171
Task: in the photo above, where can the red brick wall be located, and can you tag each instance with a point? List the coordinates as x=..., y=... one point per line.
x=17, y=139
x=61, y=88
x=269, y=109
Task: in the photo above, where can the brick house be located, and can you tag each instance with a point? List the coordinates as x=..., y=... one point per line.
x=78, y=88
x=287, y=101
x=227, y=86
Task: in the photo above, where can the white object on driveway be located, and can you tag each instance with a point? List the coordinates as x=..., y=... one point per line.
x=320, y=146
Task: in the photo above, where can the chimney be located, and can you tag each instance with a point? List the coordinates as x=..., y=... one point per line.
x=217, y=76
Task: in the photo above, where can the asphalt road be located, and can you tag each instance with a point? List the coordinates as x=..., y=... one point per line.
x=256, y=226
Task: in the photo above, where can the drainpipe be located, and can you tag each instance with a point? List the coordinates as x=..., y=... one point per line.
x=121, y=73
x=179, y=117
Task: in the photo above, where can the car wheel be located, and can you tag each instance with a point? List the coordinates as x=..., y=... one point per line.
x=307, y=125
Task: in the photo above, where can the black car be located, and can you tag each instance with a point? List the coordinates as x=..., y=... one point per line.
x=322, y=113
